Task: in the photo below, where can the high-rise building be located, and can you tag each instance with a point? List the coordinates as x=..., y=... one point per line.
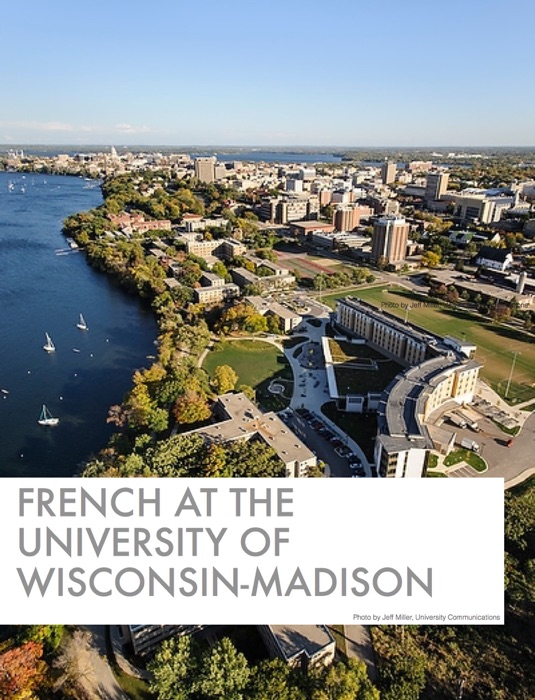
x=205, y=169
x=389, y=239
x=347, y=217
x=388, y=172
x=435, y=186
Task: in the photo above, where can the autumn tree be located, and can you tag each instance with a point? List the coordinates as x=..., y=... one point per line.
x=191, y=407
x=21, y=671
x=430, y=259
x=224, y=379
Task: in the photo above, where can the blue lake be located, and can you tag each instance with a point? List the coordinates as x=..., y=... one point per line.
x=44, y=286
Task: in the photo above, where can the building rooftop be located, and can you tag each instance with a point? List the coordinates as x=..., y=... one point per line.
x=293, y=640
x=244, y=420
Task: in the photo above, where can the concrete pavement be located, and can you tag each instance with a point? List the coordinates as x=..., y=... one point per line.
x=359, y=646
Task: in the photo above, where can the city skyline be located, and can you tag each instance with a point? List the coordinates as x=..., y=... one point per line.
x=351, y=75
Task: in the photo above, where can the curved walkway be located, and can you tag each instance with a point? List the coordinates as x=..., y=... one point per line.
x=311, y=389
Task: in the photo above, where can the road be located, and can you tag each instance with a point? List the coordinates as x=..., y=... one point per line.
x=510, y=463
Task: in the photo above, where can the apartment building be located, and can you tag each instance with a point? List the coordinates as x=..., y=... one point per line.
x=347, y=217
x=389, y=240
x=222, y=248
x=439, y=370
x=403, y=442
x=386, y=332
x=216, y=294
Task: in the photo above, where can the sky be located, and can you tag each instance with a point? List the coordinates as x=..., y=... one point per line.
x=243, y=72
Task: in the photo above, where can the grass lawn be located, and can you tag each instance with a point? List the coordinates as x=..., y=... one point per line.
x=433, y=461
x=495, y=343
x=256, y=363
x=376, y=372
x=471, y=458
x=252, y=360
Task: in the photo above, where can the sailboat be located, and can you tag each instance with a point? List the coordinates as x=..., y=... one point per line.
x=82, y=325
x=49, y=345
x=46, y=418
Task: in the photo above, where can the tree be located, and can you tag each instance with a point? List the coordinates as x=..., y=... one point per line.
x=174, y=669
x=224, y=379
x=21, y=671
x=273, y=679
x=224, y=672
x=402, y=677
x=49, y=636
x=191, y=408
x=452, y=295
x=248, y=391
x=344, y=682
x=430, y=259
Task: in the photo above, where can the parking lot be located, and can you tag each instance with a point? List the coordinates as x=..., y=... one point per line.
x=325, y=443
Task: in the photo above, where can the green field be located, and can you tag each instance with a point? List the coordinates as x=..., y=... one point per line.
x=495, y=343
x=256, y=363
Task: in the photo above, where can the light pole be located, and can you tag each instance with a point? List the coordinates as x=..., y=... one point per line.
x=511, y=373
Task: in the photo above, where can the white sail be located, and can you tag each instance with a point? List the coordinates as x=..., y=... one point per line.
x=46, y=418
x=82, y=325
x=49, y=345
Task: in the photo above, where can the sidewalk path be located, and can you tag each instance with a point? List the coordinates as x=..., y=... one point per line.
x=359, y=646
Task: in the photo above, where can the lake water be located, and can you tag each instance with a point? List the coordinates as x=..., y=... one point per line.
x=44, y=286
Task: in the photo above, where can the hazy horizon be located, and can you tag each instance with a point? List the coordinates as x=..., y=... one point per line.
x=273, y=147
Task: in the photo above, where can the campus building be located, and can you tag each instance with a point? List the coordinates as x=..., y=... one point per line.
x=301, y=646
x=438, y=370
x=143, y=639
x=387, y=333
x=240, y=419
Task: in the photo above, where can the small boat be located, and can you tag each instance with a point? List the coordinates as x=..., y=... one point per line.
x=46, y=418
x=82, y=325
x=49, y=345
x=76, y=349
x=4, y=391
